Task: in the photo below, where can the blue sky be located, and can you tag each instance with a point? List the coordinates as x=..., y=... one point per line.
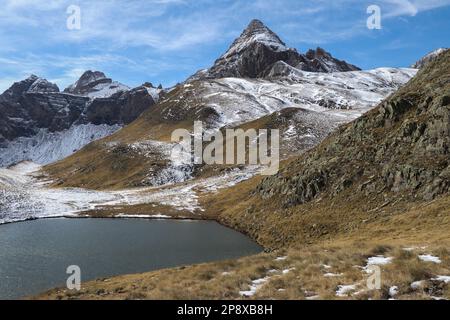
x=164, y=41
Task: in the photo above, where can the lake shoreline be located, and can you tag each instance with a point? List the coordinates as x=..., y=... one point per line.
x=156, y=246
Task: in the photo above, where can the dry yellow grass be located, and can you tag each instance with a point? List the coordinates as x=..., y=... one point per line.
x=305, y=273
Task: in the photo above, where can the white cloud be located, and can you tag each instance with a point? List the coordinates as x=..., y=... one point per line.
x=401, y=8
x=164, y=33
x=398, y=8
x=158, y=24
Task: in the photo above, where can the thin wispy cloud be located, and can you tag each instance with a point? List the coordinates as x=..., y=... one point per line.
x=397, y=8
x=166, y=40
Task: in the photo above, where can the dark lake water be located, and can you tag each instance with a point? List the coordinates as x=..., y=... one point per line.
x=34, y=255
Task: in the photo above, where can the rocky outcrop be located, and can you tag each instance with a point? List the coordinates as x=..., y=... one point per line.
x=258, y=49
x=321, y=61
x=401, y=147
x=429, y=58
x=121, y=108
x=281, y=69
x=95, y=84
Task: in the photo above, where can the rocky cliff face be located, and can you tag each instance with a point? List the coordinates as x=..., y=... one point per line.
x=120, y=108
x=35, y=103
x=258, y=49
x=401, y=147
x=35, y=108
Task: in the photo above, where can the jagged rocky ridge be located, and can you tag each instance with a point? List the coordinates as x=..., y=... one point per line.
x=258, y=49
x=34, y=110
x=429, y=58
x=401, y=147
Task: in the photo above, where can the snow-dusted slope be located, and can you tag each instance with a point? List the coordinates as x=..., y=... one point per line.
x=323, y=101
x=154, y=92
x=23, y=197
x=106, y=90
x=344, y=94
x=256, y=32
x=47, y=147
x=42, y=86
x=428, y=58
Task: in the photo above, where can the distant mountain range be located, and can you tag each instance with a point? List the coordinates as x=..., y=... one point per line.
x=42, y=124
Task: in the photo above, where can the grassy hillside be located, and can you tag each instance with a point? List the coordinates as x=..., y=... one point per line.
x=113, y=162
x=383, y=164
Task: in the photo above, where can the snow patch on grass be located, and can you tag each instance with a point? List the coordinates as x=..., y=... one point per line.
x=393, y=291
x=445, y=279
x=379, y=261
x=333, y=275
x=281, y=258
x=430, y=258
x=345, y=290
x=417, y=284
x=286, y=271
x=254, y=287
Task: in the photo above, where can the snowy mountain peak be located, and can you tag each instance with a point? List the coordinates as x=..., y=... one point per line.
x=32, y=77
x=41, y=85
x=258, y=52
x=256, y=32
x=92, y=76
x=32, y=84
x=251, y=54
x=87, y=79
x=95, y=84
x=428, y=58
x=256, y=24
